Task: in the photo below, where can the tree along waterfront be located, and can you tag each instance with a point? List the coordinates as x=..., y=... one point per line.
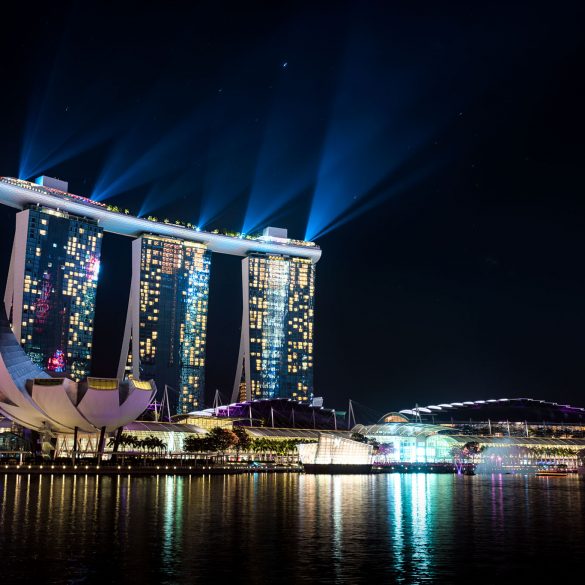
x=516, y=456
x=237, y=445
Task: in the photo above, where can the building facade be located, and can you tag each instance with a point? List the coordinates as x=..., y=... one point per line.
x=166, y=325
x=276, y=348
x=51, y=289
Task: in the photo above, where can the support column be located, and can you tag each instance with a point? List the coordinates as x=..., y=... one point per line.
x=74, y=451
x=244, y=354
x=117, y=444
x=101, y=444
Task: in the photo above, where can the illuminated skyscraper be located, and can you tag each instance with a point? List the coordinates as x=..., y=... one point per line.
x=276, y=348
x=166, y=324
x=52, y=281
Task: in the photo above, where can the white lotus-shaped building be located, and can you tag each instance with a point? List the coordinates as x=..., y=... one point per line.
x=33, y=399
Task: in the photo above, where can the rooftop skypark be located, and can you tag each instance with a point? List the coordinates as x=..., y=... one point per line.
x=18, y=193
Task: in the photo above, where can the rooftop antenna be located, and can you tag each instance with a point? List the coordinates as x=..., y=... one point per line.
x=216, y=401
x=161, y=406
x=165, y=402
x=417, y=415
x=350, y=413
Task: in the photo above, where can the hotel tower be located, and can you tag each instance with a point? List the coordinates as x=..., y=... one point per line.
x=276, y=347
x=166, y=324
x=51, y=294
x=51, y=288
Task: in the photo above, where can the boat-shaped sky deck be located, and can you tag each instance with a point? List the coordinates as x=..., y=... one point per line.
x=19, y=194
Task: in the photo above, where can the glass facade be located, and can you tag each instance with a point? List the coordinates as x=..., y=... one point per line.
x=61, y=265
x=280, y=295
x=174, y=292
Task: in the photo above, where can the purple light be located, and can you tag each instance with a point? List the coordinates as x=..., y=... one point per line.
x=92, y=268
x=56, y=363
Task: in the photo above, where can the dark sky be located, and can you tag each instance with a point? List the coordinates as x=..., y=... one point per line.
x=434, y=150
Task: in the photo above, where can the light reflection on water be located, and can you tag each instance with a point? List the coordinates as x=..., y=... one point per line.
x=287, y=528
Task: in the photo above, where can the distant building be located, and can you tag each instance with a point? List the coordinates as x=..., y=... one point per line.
x=511, y=433
x=276, y=413
x=166, y=325
x=51, y=288
x=501, y=417
x=276, y=347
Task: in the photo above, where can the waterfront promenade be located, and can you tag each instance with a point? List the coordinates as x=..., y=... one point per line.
x=190, y=467
x=169, y=468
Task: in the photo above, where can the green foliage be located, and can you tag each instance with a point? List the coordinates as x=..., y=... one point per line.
x=196, y=444
x=217, y=439
x=149, y=443
x=221, y=440
x=472, y=448
x=363, y=439
x=244, y=440
x=277, y=446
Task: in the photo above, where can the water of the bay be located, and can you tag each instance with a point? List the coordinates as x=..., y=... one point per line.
x=291, y=528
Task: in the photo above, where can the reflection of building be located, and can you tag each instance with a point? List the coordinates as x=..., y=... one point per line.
x=276, y=349
x=51, y=288
x=167, y=317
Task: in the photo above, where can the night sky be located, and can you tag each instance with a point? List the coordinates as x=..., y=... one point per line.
x=433, y=150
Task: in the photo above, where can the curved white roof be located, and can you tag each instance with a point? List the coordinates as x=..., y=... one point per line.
x=18, y=193
x=103, y=408
x=37, y=401
x=55, y=400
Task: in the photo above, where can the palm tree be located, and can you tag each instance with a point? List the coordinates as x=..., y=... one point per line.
x=158, y=444
x=124, y=441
